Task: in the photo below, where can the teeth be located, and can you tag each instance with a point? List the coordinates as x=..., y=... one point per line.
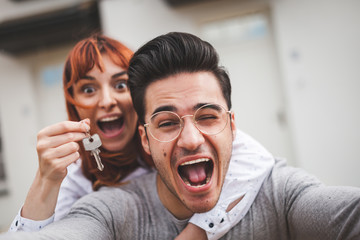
x=198, y=186
x=187, y=182
x=108, y=119
x=195, y=161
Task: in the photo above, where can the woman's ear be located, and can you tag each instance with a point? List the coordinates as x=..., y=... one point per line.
x=144, y=139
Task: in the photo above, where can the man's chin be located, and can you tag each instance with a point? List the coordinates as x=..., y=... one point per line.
x=200, y=205
x=200, y=209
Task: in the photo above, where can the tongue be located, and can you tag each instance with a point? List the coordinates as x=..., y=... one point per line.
x=195, y=173
x=110, y=126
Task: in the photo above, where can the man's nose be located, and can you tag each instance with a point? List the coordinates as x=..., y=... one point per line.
x=107, y=100
x=190, y=137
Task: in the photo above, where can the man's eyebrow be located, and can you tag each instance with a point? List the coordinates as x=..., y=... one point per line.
x=210, y=105
x=119, y=74
x=173, y=108
x=165, y=108
x=199, y=105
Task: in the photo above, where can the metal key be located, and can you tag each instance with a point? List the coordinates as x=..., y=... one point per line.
x=92, y=143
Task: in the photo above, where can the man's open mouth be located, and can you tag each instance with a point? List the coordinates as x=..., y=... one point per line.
x=196, y=173
x=111, y=125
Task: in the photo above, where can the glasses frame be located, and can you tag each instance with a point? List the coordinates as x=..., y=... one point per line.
x=193, y=121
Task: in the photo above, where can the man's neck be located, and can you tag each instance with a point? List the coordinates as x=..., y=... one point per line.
x=171, y=202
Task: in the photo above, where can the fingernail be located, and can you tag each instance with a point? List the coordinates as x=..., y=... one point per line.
x=86, y=123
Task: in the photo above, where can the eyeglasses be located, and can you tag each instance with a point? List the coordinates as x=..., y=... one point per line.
x=166, y=126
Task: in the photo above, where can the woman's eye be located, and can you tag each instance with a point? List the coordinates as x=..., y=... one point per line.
x=88, y=89
x=121, y=85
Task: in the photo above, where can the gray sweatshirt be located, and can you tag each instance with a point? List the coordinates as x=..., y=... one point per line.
x=291, y=204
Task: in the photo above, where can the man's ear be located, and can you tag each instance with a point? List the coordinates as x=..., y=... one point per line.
x=233, y=125
x=144, y=139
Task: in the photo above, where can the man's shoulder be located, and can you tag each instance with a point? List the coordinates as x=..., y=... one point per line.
x=136, y=188
x=291, y=177
x=143, y=183
x=115, y=204
x=271, y=203
x=285, y=179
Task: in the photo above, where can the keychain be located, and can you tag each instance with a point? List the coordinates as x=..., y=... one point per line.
x=92, y=143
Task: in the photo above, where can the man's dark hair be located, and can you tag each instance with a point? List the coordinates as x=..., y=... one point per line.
x=171, y=54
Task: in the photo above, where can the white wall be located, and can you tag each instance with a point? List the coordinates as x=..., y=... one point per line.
x=31, y=98
x=47, y=70
x=136, y=22
x=18, y=120
x=319, y=51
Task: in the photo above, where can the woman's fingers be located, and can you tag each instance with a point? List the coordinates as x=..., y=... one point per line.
x=58, y=140
x=61, y=133
x=56, y=169
x=60, y=151
x=65, y=127
x=58, y=147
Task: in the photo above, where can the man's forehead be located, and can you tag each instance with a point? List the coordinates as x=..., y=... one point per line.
x=183, y=91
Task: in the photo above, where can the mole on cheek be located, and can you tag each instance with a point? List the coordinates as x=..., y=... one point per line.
x=164, y=154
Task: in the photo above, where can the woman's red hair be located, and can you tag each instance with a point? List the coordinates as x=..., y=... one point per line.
x=82, y=58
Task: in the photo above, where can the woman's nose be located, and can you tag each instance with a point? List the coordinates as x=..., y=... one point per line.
x=107, y=100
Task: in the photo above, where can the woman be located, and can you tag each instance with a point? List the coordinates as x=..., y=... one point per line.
x=95, y=86
x=98, y=101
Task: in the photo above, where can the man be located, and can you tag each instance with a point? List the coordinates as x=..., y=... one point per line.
x=179, y=72
x=182, y=98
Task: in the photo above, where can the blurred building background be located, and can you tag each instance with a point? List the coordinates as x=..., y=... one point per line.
x=294, y=67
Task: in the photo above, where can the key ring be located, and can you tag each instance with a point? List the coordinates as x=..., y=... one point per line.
x=88, y=135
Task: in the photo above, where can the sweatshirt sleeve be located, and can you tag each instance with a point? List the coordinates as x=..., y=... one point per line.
x=73, y=187
x=317, y=211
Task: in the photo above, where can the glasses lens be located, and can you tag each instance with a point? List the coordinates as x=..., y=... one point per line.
x=165, y=126
x=211, y=119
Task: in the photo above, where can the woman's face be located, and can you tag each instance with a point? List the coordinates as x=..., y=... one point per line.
x=111, y=113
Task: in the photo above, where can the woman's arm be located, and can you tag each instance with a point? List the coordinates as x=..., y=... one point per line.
x=57, y=148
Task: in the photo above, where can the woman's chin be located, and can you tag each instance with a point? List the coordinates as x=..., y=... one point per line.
x=113, y=147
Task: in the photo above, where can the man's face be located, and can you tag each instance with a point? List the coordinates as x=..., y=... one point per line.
x=178, y=185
